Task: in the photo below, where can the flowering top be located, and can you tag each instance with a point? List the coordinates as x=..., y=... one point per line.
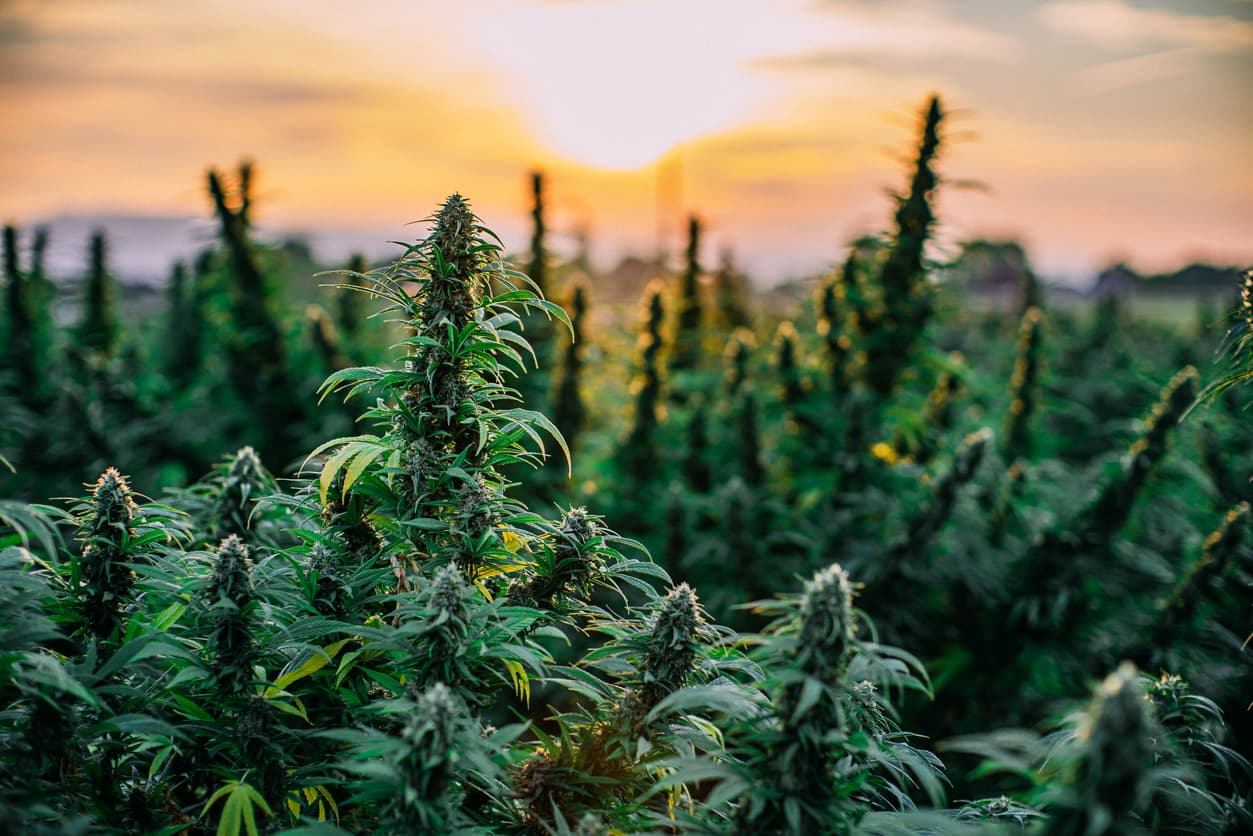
x=113, y=502
x=828, y=627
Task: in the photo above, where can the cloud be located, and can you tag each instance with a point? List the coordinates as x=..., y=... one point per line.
x=871, y=35
x=1180, y=42
x=1117, y=24
x=1141, y=69
x=15, y=31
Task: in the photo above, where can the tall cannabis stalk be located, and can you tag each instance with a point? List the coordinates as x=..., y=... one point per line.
x=902, y=278
x=1022, y=386
x=730, y=297
x=19, y=330
x=537, y=267
x=832, y=316
x=185, y=326
x=668, y=660
x=788, y=367
x=569, y=411
x=639, y=452
x=444, y=638
x=752, y=467
x=418, y=776
x=38, y=251
x=533, y=384
x=736, y=358
x=98, y=331
x=937, y=415
x=1114, y=503
x=689, y=317
x=244, y=212
x=256, y=350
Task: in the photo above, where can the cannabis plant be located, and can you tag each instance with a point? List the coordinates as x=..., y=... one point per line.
x=690, y=308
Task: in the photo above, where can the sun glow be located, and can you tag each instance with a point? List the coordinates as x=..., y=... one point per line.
x=604, y=85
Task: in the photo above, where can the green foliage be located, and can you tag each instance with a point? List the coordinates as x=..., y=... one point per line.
x=386, y=638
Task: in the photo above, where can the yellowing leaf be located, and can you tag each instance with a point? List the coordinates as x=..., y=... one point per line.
x=309, y=667
x=358, y=466
x=296, y=708
x=239, y=811
x=333, y=466
x=318, y=797
x=521, y=682
x=511, y=540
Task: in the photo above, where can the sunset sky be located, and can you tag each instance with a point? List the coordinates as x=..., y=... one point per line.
x=1096, y=129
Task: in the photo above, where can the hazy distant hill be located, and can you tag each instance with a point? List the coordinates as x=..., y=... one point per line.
x=142, y=248
x=1193, y=280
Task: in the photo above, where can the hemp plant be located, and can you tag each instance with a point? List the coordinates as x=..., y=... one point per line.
x=831, y=305
x=1022, y=387
x=106, y=583
x=230, y=604
x=638, y=453
x=826, y=751
x=902, y=279
x=433, y=473
x=1052, y=567
x=185, y=325
x=647, y=682
x=245, y=482
x=569, y=408
x=690, y=309
x=256, y=352
x=98, y=330
x=19, y=328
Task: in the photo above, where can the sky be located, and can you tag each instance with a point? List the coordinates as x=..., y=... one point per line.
x=1092, y=130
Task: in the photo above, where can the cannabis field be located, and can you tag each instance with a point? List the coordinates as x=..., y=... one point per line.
x=446, y=546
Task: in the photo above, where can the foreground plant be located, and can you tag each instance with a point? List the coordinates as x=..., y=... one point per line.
x=824, y=752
